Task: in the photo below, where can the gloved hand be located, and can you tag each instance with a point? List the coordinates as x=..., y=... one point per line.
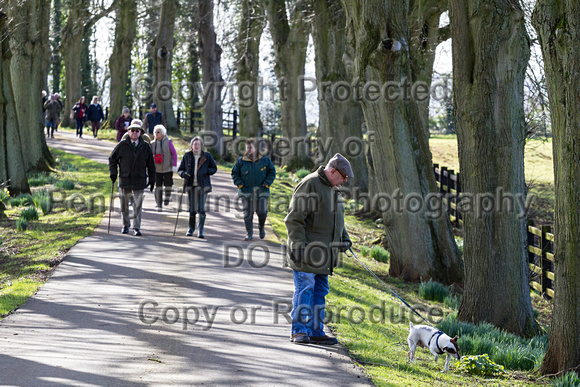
x=296, y=255
x=113, y=178
x=152, y=186
x=174, y=169
x=344, y=246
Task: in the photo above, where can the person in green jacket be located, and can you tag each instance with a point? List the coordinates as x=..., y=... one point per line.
x=316, y=234
x=253, y=174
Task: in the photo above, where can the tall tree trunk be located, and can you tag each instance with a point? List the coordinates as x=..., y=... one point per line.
x=558, y=27
x=71, y=50
x=151, y=26
x=210, y=57
x=193, y=64
x=79, y=20
x=420, y=237
x=12, y=167
x=248, y=60
x=340, y=118
x=193, y=67
x=488, y=78
x=29, y=22
x=163, y=55
x=56, y=59
x=290, y=39
x=120, y=61
x=88, y=85
x=425, y=35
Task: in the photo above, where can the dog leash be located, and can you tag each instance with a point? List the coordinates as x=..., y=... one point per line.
x=387, y=286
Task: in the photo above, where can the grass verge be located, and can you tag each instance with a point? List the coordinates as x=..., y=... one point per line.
x=538, y=166
x=28, y=257
x=373, y=325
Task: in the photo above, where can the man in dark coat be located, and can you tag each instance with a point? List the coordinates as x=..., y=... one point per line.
x=133, y=159
x=316, y=234
x=152, y=119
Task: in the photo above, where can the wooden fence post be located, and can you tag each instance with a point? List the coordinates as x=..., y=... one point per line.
x=547, y=264
x=191, y=120
x=235, y=125
x=442, y=179
x=450, y=195
x=531, y=240
x=458, y=200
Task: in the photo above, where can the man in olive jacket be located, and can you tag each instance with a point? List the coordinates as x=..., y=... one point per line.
x=316, y=234
x=134, y=160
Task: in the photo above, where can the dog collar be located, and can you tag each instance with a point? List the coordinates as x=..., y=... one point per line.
x=438, y=334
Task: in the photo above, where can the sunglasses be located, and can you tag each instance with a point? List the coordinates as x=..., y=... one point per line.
x=134, y=130
x=341, y=174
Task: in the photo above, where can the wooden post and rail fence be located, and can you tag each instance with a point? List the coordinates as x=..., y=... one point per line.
x=540, y=240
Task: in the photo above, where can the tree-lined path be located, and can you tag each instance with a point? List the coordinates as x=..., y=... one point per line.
x=83, y=327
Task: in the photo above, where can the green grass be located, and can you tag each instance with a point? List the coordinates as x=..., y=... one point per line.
x=373, y=325
x=302, y=173
x=40, y=179
x=29, y=214
x=365, y=251
x=511, y=351
x=27, y=257
x=433, y=291
x=538, y=166
x=571, y=379
x=42, y=200
x=378, y=253
x=65, y=184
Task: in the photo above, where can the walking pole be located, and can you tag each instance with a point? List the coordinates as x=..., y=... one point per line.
x=179, y=206
x=111, y=206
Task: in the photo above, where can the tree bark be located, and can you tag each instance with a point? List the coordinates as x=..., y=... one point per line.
x=340, y=118
x=248, y=60
x=29, y=26
x=56, y=59
x=213, y=83
x=558, y=27
x=163, y=55
x=290, y=39
x=151, y=26
x=12, y=167
x=79, y=19
x=120, y=61
x=425, y=35
x=70, y=49
x=420, y=237
x=490, y=54
x=88, y=83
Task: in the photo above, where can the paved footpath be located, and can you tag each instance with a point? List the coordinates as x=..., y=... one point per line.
x=158, y=310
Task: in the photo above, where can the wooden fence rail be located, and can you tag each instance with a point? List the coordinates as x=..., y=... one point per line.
x=541, y=259
x=540, y=240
